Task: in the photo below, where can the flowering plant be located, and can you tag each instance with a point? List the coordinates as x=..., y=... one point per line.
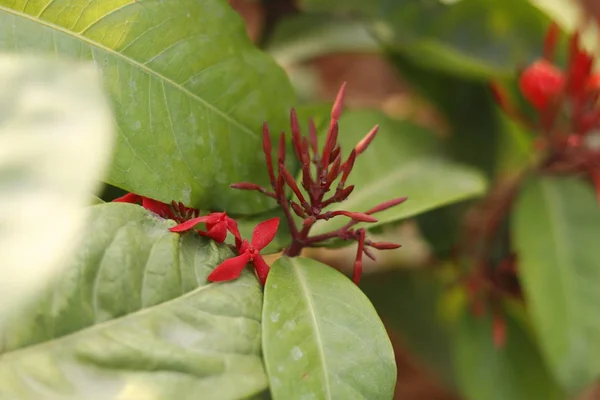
x=234, y=248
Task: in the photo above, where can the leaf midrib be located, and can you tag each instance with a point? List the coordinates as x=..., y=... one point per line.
x=131, y=61
x=304, y=287
x=102, y=325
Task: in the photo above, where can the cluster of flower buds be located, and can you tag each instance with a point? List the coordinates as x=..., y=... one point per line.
x=320, y=170
x=217, y=225
x=175, y=211
x=568, y=106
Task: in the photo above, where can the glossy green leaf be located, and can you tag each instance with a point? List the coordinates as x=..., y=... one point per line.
x=402, y=161
x=556, y=226
x=56, y=135
x=134, y=318
x=467, y=37
x=515, y=372
x=322, y=338
x=408, y=302
x=190, y=91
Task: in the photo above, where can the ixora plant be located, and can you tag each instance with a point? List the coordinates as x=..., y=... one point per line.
x=190, y=277
x=320, y=170
x=151, y=298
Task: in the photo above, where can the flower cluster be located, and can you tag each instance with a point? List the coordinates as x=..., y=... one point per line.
x=217, y=225
x=320, y=170
x=175, y=211
x=567, y=105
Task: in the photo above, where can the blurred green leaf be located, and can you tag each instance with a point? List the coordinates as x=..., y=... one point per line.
x=515, y=371
x=305, y=36
x=407, y=301
x=134, y=317
x=56, y=136
x=322, y=339
x=189, y=89
x=441, y=227
x=468, y=108
x=480, y=38
x=403, y=160
x=556, y=226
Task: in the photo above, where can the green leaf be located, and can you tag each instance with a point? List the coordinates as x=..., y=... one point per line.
x=515, y=372
x=469, y=37
x=55, y=141
x=402, y=161
x=556, y=225
x=96, y=200
x=305, y=36
x=408, y=302
x=189, y=90
x=468, y=108
x=134, y=317
x=322, y=338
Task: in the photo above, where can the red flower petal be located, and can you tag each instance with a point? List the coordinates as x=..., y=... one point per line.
x=157, y=207
x=243, y=247
x=232, y=227
x=580, y=67
x=540, y=83
x=264, y=233
x=229, y=269
x=187, y=225
x=262, y=269
x=498, y=331
x=128, y=198
x=218, y=232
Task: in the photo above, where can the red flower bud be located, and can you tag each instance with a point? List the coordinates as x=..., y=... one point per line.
x=540, y=83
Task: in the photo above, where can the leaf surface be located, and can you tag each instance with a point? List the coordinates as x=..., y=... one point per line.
x=467, y=37
x=515, y=372
x=555, y=229
x=134, y=317
x=189, y=90
x=322, y=338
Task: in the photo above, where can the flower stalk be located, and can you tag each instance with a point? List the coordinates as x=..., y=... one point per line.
x=320, y=170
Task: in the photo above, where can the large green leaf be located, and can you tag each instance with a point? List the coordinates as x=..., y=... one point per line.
x=515, y=371
x=402, y=161
x=190, y=92
x=556, y=226
x=322, y=339
x=134, y=318
x=55, y=140
x=467, y=37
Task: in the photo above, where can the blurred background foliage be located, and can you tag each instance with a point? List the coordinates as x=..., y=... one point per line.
x=431, y=61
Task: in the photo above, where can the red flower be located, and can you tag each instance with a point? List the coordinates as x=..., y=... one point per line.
x=217, y=225
x=231, y=268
